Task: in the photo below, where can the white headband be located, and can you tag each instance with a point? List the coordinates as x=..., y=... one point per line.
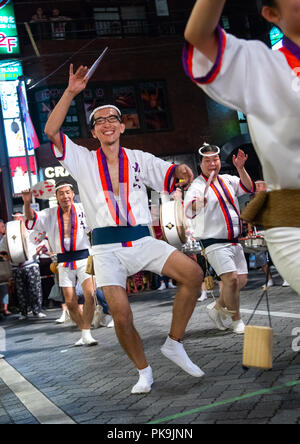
x=206, y=145
x=64, y=185
x=105, y=107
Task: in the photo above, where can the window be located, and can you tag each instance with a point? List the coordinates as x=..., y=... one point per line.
x=107, y=21
x=45, y=100
x=124, y=97
x=129, y=20
x=144, y=105
x=153, y=95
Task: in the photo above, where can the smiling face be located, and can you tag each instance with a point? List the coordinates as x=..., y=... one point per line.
x=210, y=164
x=65, y=197
x=108, y=133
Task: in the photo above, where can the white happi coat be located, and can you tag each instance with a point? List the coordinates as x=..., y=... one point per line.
x=264, y=85
x=137, y=170
x=219, y=219
x=48, y=221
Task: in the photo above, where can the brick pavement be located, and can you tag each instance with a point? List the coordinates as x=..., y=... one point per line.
x=92, y=385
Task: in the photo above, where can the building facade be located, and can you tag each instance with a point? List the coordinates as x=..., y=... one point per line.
x=142, y=73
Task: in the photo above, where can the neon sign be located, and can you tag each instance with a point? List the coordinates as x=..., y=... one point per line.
x=9, y=42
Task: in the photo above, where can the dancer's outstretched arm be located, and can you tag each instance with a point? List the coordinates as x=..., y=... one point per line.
x=200, y=29
x=77, y=83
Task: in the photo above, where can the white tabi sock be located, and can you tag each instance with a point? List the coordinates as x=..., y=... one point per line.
x=144, y=383
x=87, y=338
x=175, y=351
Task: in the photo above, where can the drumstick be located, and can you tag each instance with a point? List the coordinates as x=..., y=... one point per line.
x=209, y=181
x=95, y=64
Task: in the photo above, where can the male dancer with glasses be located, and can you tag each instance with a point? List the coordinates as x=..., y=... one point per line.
x=112, y=184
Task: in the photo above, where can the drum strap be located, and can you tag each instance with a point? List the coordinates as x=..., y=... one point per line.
x=265, y=293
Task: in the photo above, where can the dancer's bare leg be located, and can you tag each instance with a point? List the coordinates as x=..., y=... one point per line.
x=73, y=307
x=129, y=338
x=189, y=277
x=78, y=316
x=89, y=303
x=230, y=294
x=119, y=306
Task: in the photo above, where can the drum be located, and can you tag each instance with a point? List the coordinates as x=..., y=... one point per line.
x=16, y=241
x=253, y=244
x=172, y=223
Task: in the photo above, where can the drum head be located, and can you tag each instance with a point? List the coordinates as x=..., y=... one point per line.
x=172, y=223
x=16, y=241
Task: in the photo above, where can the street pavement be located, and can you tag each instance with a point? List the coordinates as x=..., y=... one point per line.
x=92, y=385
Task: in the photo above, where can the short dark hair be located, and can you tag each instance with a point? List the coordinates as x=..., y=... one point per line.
x=208, y=149
x=262, y=3
x=61, y=183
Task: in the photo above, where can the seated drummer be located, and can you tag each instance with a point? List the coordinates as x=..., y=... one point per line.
x=216, y=221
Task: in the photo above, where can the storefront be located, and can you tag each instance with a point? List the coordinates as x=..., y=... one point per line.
x=18, y=140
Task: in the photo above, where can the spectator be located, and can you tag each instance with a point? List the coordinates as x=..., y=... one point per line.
x=39, y=16
x=27, y=278
x=58, y=24
x=3, y=287
x=4, y=299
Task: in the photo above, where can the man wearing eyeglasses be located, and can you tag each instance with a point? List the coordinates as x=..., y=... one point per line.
x=112, y=184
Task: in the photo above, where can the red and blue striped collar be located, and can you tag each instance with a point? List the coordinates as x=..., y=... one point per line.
x=223, y=205
x=291, y=52
x=291, y=46
x=114, y=208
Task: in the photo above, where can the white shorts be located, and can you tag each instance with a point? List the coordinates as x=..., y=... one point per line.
x=114, y=263
x=227, y=259
x=284, y=248
x=69, y=278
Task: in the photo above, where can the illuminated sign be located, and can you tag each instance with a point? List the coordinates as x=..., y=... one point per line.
x=9, y=42
x=10, y=70
x=55, y=172
x=15, y=138
x=19, y=173
x=276, y=38
x=3, y=3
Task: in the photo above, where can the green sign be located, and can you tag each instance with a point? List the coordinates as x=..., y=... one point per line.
x=275, y=35
x=10, y=70
x=9, y=42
